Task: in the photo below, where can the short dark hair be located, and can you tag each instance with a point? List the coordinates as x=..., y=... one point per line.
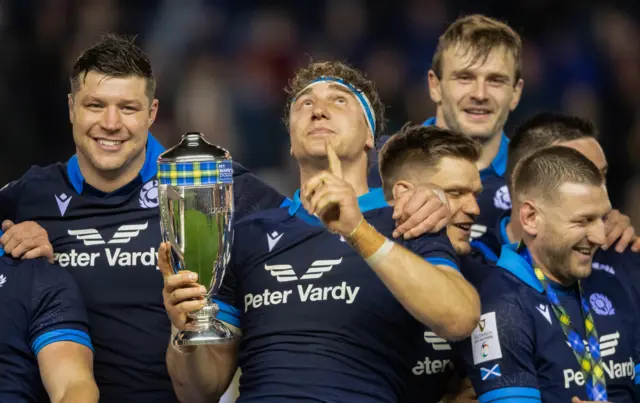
x=417, y=146
x=545, y=170
x=480, y=35
x=340, y=70
x=114, y=56
x=544, y=130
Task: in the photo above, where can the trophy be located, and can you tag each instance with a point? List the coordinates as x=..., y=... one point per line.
x=195, y=184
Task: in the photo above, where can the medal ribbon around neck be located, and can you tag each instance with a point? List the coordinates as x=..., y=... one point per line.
x=590, y=360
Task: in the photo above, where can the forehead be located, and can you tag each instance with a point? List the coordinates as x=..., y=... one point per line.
x=590, y=148
x=456, y=172
x=100, y=84
x=578, y=199
x=461, y=57
x=323, y=88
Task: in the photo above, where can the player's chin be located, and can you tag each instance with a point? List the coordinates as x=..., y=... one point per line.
x=461, y=246
x=109, y=163
x=580, y=269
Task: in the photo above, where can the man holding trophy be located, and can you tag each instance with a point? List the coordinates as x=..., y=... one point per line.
x=328, y=305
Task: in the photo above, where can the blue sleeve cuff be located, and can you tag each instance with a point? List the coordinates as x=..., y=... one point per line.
x=228, y=313
x=54, y=336
x=285, y=203
x=511, y=395
x=637, y=381
x=440, y=261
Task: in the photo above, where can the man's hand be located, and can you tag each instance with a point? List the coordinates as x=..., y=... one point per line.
x=26, y=240
x=618, y=228
x=420, y=210
x=331, y=198
x=181, y=293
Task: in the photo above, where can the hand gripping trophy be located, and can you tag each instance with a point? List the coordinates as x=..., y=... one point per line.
x=196, y=208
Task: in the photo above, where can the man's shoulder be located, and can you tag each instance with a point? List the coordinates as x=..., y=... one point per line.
x=501, y=286
x=33, y=275
x=37, y=175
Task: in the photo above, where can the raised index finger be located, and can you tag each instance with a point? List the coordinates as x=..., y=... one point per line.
x=335, y=166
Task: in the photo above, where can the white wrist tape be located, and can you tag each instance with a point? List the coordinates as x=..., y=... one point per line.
x=380, y=253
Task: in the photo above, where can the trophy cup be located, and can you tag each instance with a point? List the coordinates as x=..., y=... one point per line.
x=195, y=183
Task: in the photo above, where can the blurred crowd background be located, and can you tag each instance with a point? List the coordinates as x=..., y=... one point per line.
x=221, y=66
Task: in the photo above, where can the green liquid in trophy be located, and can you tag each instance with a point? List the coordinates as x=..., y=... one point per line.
x=201, y=244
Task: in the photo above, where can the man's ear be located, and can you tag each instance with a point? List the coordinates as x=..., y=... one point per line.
x=530, y=218
x=400, y=187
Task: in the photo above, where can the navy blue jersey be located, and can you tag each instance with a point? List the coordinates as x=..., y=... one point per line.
x=39, y=305
x=108, y=243
x=318, y=323
x=624, y=265
x=433, y=367
x=519, y=353
x=493, y=238
x=493, y=200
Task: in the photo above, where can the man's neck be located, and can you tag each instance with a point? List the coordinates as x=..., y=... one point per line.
x=354, y=172
x=513, y=228
x=490, y=146
x=490, y=149
x=549, y=274
x=113, y=180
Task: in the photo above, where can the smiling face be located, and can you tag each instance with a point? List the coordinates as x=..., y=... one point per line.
x=460, y=180
x=111, y=117
x=570, y=229
x=475, y=97
x=328, y=109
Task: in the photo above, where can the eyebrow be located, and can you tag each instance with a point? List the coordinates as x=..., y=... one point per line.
x=471, y=72
x=331, y=86
x=462, y=188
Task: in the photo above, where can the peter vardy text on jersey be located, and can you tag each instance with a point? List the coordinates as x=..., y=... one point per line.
x=304, y=293
x=115, y=258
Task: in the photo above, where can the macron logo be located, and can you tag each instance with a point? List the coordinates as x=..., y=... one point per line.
x=544, y=310
x=63, y=202
x=273, y=239
x=3, y=280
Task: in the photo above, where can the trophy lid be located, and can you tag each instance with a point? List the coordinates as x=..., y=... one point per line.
x=194, y=147
x=194, y=162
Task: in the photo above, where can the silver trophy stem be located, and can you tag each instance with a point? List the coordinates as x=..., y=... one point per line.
x=207, y=329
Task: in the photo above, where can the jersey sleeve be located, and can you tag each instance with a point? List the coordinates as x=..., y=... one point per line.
x=58, y=311
x=251, y=195
x=498, y=357
x=435, y=249
x=226, y=297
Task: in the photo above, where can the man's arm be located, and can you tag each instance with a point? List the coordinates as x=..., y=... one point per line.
x=58, y=335
x=66, y=369
x=434, y=292
x=499, y=356
x=203, y=373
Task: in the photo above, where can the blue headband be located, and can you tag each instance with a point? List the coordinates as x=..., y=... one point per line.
x=362, y=99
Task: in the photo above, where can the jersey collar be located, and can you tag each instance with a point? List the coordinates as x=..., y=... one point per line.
x=499, y=164
x=503, y=236
x=511, y=261
x=148, y=171
x=367, y=202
